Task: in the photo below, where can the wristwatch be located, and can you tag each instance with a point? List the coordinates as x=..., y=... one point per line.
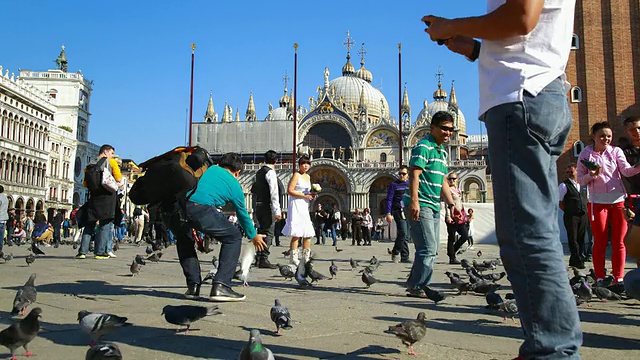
x=476, y=51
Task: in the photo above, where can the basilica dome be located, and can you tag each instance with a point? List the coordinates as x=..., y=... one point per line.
x=441, y=103
x=279, y=114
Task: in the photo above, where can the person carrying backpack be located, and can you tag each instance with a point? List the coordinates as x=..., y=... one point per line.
x=101, y=204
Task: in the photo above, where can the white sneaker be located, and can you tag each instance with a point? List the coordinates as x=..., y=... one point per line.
x=470, y=247
x=111, y=254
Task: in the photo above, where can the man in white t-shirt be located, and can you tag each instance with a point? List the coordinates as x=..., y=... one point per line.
x=523, y=101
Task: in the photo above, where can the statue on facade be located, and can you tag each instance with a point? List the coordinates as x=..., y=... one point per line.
x=341, y=153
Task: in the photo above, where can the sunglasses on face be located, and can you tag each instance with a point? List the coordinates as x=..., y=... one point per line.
x=453, y=179
x=446, y=128
x=403, y=174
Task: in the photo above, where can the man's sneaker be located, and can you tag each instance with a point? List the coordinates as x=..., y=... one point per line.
x=111, y=254
x=264, y=263
x=81, y=256
x=193, y=291
x=223, y=293
x=395, y=259
x=454, y=261
x=101, y=256
x=406, y=261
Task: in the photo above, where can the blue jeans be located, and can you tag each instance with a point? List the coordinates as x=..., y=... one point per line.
x=1, y=234
x=101, y=239
x=212, y=222
x=526, y=139
x=401, y=245
x=426, y=239
x=632, y=283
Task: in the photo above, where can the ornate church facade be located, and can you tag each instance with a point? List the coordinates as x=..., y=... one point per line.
x=350, y=135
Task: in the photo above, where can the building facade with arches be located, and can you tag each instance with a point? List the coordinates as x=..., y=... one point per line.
x=350, y=135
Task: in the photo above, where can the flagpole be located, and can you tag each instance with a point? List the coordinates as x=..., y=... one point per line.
x=193, y=50
x=400, y=101
x=295, y=112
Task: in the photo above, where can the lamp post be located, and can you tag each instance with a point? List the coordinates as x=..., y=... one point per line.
x=193, y=50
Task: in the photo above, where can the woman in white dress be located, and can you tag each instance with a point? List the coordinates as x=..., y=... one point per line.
x=299, y=223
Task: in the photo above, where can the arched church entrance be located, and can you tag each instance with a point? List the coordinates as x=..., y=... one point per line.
x=378, y=196
x=329, y=140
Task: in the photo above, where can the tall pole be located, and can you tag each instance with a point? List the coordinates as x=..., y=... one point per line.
x=193, y=57
x=295, y=112
x=400, y=101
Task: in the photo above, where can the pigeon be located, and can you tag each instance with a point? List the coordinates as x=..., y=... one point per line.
x=464, y=263
x=494, y=276
x=368, y=279
x=463, y=287
x=312, y=273
x=280, y=316
x=578, y=273
x=287, y=271
x=104, y=351
x=606, y=282
x=185, y=315
x=481, y=267
x=98, y=324
x=21, y=333
x=434, y=295
x=210, y=275
x=333, y=269
x=155, y=257
x=149, y=250
x=605, y=294
x=389, y=252
x=374, y=260
x=484, y=287
x=30, y=259
x=135, y=268
x=493, y=300
x=215, y=262
x=156, y=245
x=301, y=275
x=453, y=277
x=25, y=296
x=36, y=250
x=7, y=257
x=509, y=296
x=479, y=253
x=338, y=250
x=286, y=253
x=509, y=308
x=353, y=263
x=247, y=258
x=116, y=246
x=410, y=331
x=140, y=260
x=617, y=288
x=254, y=350
x=583, y=291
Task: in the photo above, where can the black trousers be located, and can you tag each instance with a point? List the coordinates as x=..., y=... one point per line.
x=174, y=218
x=401, y=245
x=452, y=245
x=266, y=226
x=576, y=226
x=366, y=235
x=357, y=234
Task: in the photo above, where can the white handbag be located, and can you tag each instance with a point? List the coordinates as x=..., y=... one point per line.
x=108, y=181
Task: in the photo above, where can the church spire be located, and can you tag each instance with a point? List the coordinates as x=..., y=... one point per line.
x=453, y=100
x=362, y=106
x=210, y=115
x=237, y=119
x=226, y=114
x=406, y=107
x=348, y=68
x=61, y=61
x=250, y=115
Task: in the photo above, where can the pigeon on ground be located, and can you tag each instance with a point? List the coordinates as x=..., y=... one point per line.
x=7, y=257
x=149, y=250
x=605, y=294
x=493, y=300
x=98, y=324
x=21, y=333
x=287, y=271
x=140, y=260
x=210, y=275
x=479, y=253
x=606, y=282
x=185, y=315
x=353, y=263
x=312, y=273
x=484, y=287
x=463, y=287
x=509, y=296
x=135, y=268
x=247, y=257
x=578, y=273
x=36, y=250
x=155, y=257
x=215, y=262
x=280, y=316
x=410, y=331
x=509, y=308
x=374, y=260
x=453, y=277
x=617, y=288
x=156, y=245
x=583, y=291
x=464, y=263
x=104, y=351
x=435, y=295
x=25, y=296
x=333, y=269
x=286, y=253
x=389, y=252
x=30, y=259
x=368, y=279
x=481, y=267
x=494, y=276
x=255, y=350
x=301, y=275
x=338, y=250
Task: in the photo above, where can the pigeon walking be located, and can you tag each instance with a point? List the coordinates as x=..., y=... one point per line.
x=25, y=296
x=185, y=315
x=98, y=324
x=434, y=295
x=7, y=257
x=30, y=259
x=287, y=271
x=210, y=275
x=493, y=300
x=140, y=260
x=149, y=250
x=280, y=316
x=155, y=257
x=338, y=250
x=312, y=273
x=605, y=294
x=353, y=263
x=104, y=351
x=21, y=333
x=36, y=250
x=255, y=350
x=368, y=279
x=333, y=269
x=509, y=309
x=135, y=268
x=410, y=331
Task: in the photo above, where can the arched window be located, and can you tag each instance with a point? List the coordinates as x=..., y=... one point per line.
x=577, y=148
x=575, y=42
x=576, y=94
x=383, y=157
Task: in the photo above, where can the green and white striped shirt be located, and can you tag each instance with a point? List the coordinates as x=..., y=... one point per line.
x=432, y=159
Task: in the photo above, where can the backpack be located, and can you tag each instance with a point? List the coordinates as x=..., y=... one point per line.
x=93, y=175
x=168, y=177
x=137, y=211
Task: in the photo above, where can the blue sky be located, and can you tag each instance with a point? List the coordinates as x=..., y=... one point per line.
x=138, y=55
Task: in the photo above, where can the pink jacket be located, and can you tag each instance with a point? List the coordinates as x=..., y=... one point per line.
x=606, y=188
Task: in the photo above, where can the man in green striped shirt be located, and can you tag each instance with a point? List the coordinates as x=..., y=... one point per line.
x=428, y=167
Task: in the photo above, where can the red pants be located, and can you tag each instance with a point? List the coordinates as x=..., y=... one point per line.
x=600, y=217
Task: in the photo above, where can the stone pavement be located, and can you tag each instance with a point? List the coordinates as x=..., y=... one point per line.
x=337, y=319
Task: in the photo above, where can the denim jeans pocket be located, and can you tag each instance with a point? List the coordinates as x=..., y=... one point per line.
x=546, y=115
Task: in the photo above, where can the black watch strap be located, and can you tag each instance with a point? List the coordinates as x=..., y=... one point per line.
x=476, y=51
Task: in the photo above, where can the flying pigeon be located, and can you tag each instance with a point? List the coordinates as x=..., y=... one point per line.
x=97, y=324
x=21, y=333
x=25, y=296
x=333, y=270
x=135, y=268
x=368, y=279
x=140, y=260
x=280, y=316
x=247, y=258
x=185, y=315
x=287, y=271
x=36, y=250
x=353, y=263
x=104, y=351
x=30, y=259
x=410, y=331
x=254, y=350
